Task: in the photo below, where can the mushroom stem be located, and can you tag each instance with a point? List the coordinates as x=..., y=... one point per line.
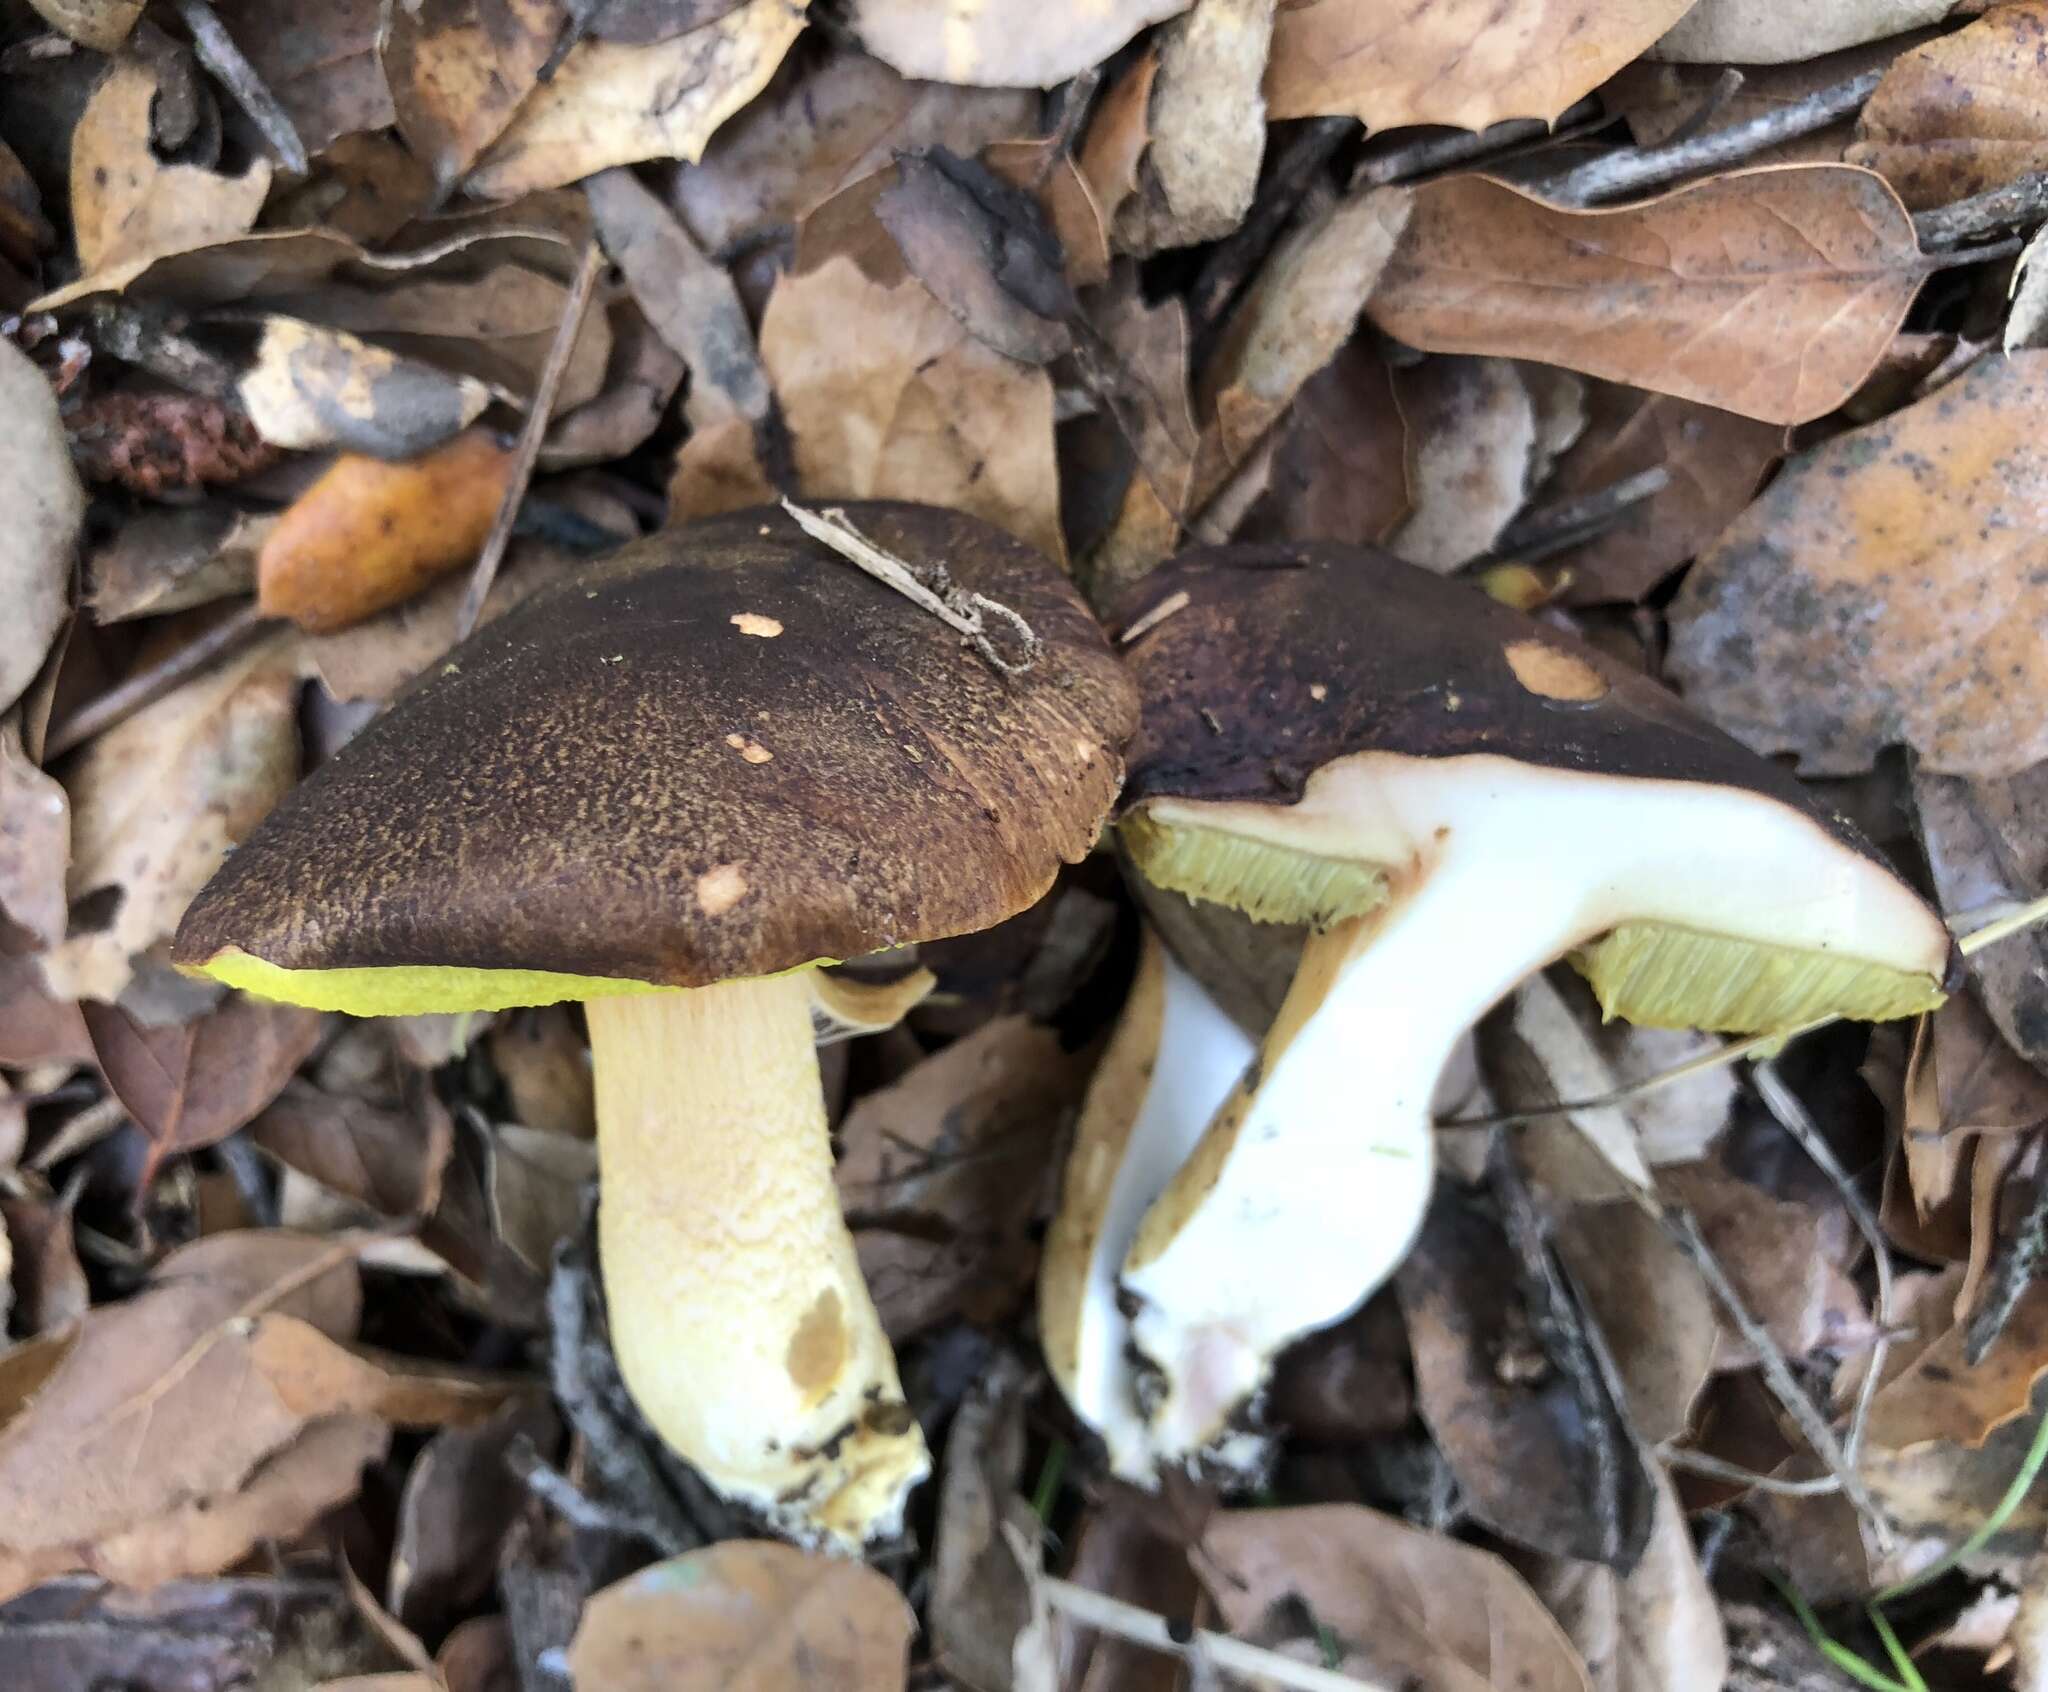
x=741, y=1321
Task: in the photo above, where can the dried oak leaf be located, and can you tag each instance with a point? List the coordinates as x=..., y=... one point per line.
x=1715, y=459
x=320, y=62
x=157, y=801
x=745, y=1611
x=1404, y=1606
x=125, y=204
x=190, y=1086
x=943, y=1172
x=1986, y=846
x=45, y=505
x=1762, y=32
x=1962, y=113
x=1001, y=43
x=1890, y=587
x=1464, y=62
x=458, y=70
x=382, y=1158
x=613, y=103
x=1771, y=292
x=1941, y=1397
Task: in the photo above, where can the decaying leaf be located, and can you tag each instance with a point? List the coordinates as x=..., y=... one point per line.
x=1463, y=62
x=1001, y=43
x=311, y=386
x=35, y=841
x=40, y=492
x=535, y=1187
x=745, y=1610
x=324, y=69
x=1758, y=32
x=460, y=69
x=943, y=1173
x=384, y=1159
x=1770, y=293
x=161, y=561
x=1961, y=113
x=612, y=103
x=157, y=802
x=99, y=24
x=1940, y=1397
x=545, y=1066
x=370, y=534
x=1339, y=465
x=125, y=204
x=187, y=1087
x=1888, y=588
x=1403, y=1606
x=1470, y=429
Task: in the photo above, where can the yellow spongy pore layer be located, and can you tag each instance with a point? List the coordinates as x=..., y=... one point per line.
x=1661, y=976
x=411, y=990
x=1268, y=883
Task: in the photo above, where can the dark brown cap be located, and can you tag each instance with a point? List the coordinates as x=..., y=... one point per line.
x=722, y=752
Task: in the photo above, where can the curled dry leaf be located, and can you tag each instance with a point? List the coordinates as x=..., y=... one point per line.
x=1001, y=43
x=125, y=205
x=944, y=1172
x=1771, y=293
x=612, y=103
x=382, y=1158
x=311, y=386
x=370, y=534
x=40, y=492
x=192, y=1085
x=35, y=841
x=1715, y=460
x=1986, y=847
x=459, y=69
x=157, y=802
x=1464, y=62
x=745, y=1611
x=1759, y=32
x=1961, y=113
x=1404, y=1606
x=1890, y=587
x=1965, y=1084
x=1941, y=1397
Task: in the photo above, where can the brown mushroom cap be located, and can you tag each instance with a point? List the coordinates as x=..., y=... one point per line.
x=722, y=752
x=1283, y=659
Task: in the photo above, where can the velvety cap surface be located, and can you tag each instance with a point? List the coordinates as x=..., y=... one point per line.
x=722, y=752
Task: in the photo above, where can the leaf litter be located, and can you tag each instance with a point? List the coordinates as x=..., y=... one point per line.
x=293, y=337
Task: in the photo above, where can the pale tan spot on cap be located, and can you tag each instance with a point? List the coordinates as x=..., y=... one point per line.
x=818, y=1348
x=720, y=888
x=1318, y=692
x=749, y=748
x=753, y=623
x=1554, y=673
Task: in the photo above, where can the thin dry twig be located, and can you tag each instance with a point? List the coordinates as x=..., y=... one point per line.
x=2018, y=204
x=1684, y=1457
x=1620, y=173
x=1551, y=528
x=1408, y=160
x=1239, y=253
x=148, y=685
x=218, y=53
x=539, y=414
x=1193, y=1644
x=930, y=589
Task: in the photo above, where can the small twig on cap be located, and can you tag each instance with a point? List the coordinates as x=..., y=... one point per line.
x=928, y=587
x=538, y=415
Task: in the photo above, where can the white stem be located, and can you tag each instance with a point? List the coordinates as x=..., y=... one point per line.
x=739, y=1315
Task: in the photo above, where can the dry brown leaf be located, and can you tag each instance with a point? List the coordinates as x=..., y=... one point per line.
x=613, y=103
x=1715, y=459
x=1001, y=43
x=1471, y=433
x=1463, y=62
x=36, y=1027
x=535, y=1186
x=1891, y=586
x=745, y=1611
x=1119, y=130
x=323, y=69
x=99, y=24
x=1986, y=847
x=370, y=534
x=1206, y=126
x=313, y=1374
x=1941, y=1397
x=35, y=841
x=1655, y=1629
x=311, y=386
x=545, y=1066
x=157, y=802
x=50, y=1290
x=1762, y=32
x=191, y=1086
x=162, y=561
x=1340, y=463
x=129, y=1425
x=943, y=1173
x=459, y=70
x=1347, y=1384
x=1405, y=1606
x=1771, y=293
x=887, y=397
x=1291, y=323
x=1965, y=1082
x=1962, y=113
x=45, y=505
x=640, y=380
x=385, y=1160
x=126, y=205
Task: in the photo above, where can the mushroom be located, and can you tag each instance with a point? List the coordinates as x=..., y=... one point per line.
x=670, y=788
x=1454, y=796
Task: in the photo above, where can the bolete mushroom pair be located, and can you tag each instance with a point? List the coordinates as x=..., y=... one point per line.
x=1455, y=796
x=672, y=788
